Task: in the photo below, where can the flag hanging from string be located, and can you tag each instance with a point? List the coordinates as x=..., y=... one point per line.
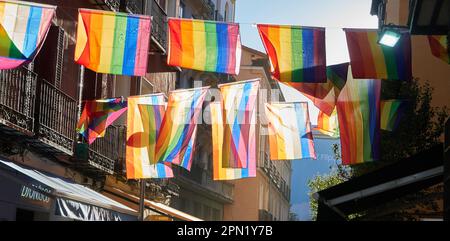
x=222, y=148
x=290, y=134
x=145, y=114
x=113, y=43
x=296, y=54
x=23, y=29
x=370, y=60
x=328, y=124
x=239, y=103
x=325, y=95
x=438, y=45
x=97, y=115
x=392, y=112
x=204, y=45
x=358, y=109
x=176, y=140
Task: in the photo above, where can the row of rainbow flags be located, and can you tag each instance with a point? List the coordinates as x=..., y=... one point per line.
x=162, y=134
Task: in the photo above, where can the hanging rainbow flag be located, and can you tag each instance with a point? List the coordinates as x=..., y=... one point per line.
x=370, y=60
x=222, y=148
x=290, y=134
x=392, y=112
x=328, y=125
x=438, y=45
x=23, y=29
x=325, y=95
x=296, y=54
x=176, y=140
x=97, y=115
x=358, y=110
x=112, y=43
x=145, y=114
x=239, y=103
x=204, y=45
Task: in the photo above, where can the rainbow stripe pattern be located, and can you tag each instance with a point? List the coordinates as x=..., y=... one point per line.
x=328, y=125
x=392, y=112
x=239, y=103
x=371, y=60
x=325, y=95
x=145, y=114
x=97, y=115
x=290, y=133
x=438, y=45
x=204, y=45
x=222, y=148
x=358, y=110
x=112, y=43
x=296, y=54
x=176, y=140
x=23, y=29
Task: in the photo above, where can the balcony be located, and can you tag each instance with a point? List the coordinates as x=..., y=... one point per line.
x=205, y=9
x=17, y=95
x=201, y=181
x=274, y=175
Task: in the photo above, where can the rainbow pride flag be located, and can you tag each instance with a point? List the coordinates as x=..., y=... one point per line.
x=370, y=60
x=112, y=43
x=239, y=103
x=296, y=54
x=290, y=133
x=358, y=110
x=222, y=148
x=392, y=112
x=438, y=45
x=97, y=115
x=325, y=95
x=328, y=125
x=23, y=29
x=204, y=45
x=145, y=114
x=176, y=140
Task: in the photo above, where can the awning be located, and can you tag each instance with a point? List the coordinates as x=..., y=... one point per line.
x=386, y=184
x=68, y=198
x=154, y=206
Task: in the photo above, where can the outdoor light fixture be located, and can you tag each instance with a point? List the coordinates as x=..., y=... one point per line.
x=389, y=37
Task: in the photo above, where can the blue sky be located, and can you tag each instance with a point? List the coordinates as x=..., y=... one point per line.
x=331, y=14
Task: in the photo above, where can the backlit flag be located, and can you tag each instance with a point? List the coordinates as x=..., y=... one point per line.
x=296, y=54
x=325, y=95
x=328, y=125
x=176, y=140
x=222, y=148
x=23, y=29
x=204, y=45
x=97, y=115
x=239, y=103
x=438, y=45
x=370, y=60
x=358, y=109
x=112, y=43
x=392, y=112
x=290, y=134
x=145, y=114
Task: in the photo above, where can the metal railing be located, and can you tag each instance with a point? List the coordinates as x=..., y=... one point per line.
x=17, y=98
x=159, y=24
x=56, y=118
x=104, y=152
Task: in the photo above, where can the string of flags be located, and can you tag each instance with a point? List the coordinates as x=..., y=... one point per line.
x=161, y=134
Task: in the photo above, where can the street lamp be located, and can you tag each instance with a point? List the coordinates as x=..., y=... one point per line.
x=389, y=37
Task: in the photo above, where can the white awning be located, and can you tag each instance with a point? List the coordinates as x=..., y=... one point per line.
x=72, y=200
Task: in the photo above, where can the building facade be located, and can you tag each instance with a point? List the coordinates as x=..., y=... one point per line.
x=40, y=105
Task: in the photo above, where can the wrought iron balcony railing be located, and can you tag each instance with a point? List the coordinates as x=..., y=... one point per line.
x=56, y=118
x=17, y=96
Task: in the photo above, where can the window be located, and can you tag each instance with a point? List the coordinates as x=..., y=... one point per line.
x=226, y=12
x=181, y=10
